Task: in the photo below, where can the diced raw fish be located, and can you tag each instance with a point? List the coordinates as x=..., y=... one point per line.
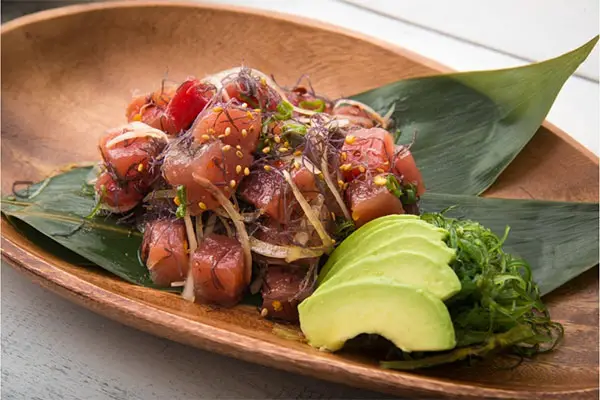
x=364, y=150
x=164, y=250
x=233, y=125
x=406, y=167
x=251, y=90
x=150, y=108
x=128, y=151
x=305, y=180
x=368, y=201
x=282, y=292
x=187, y=102
x=218, y=270
x=222, y=166
x=118, y=197
x=267, y=191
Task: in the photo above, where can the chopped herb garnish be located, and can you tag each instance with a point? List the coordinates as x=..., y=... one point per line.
x=181, y=201
x=284, y=111
x=393, y=185
x=498, y=292
x=317, y=105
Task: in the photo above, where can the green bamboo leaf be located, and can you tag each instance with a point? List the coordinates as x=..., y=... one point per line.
x=470, y=126
x=558, y=239
x=58, y=211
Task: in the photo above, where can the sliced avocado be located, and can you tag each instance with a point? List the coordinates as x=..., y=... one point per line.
x=417, y=267
x=412, y=319
x=370, y=236
x=428, y=242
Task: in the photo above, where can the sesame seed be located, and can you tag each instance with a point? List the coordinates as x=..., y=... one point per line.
x=176, y=201
x=246, y=171
x=202, y=206
x=238, y=147
x=263, y=81
x=350, y=139
x=226, y=147
x=232, y=183
x=249, y=115
x=218, y=109
x=266, y=150
x=227, y=131
x=221, y=136
x=282, y=149
x=380, y=170
x=267, y=168
x=344, y=156
x=333, y=215
x=257, y=110
x=296, y=165
x=277, y=139
x=244, y=133
x=361, y=169
x=345, y=167
x=211, y=131
x=264, y=312
x=380, y=180
x=244, y=105
x=238, y=168
x=298, y=153
x=137, y=117
x=239, y=154
x=205, y=137
x=341, y=184
x=140, y=167
x=277, y=305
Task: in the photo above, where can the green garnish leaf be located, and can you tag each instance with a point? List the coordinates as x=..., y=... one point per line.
x=498, y=292
x=294, y=128
x=393, y=185
x=285, y=111
x=317, y=105
x=182, y=200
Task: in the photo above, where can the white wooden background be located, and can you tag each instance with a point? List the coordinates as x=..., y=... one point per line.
x=52, y=349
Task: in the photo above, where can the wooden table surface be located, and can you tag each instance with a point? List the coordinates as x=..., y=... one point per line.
x=52, y=349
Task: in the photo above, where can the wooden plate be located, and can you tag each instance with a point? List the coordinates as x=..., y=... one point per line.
x=67, y=76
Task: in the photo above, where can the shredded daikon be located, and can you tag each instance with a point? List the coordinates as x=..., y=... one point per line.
x=135, y=130
x=312, y=218
x=383, y=121
x=217, y=80
x=333, y=188
x=226, y=225
x=288, y=253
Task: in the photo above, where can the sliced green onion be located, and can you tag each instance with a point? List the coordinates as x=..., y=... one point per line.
x=317, y=105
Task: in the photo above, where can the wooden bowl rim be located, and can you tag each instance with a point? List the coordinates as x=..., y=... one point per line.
x=298, y=20
x=140, y=314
